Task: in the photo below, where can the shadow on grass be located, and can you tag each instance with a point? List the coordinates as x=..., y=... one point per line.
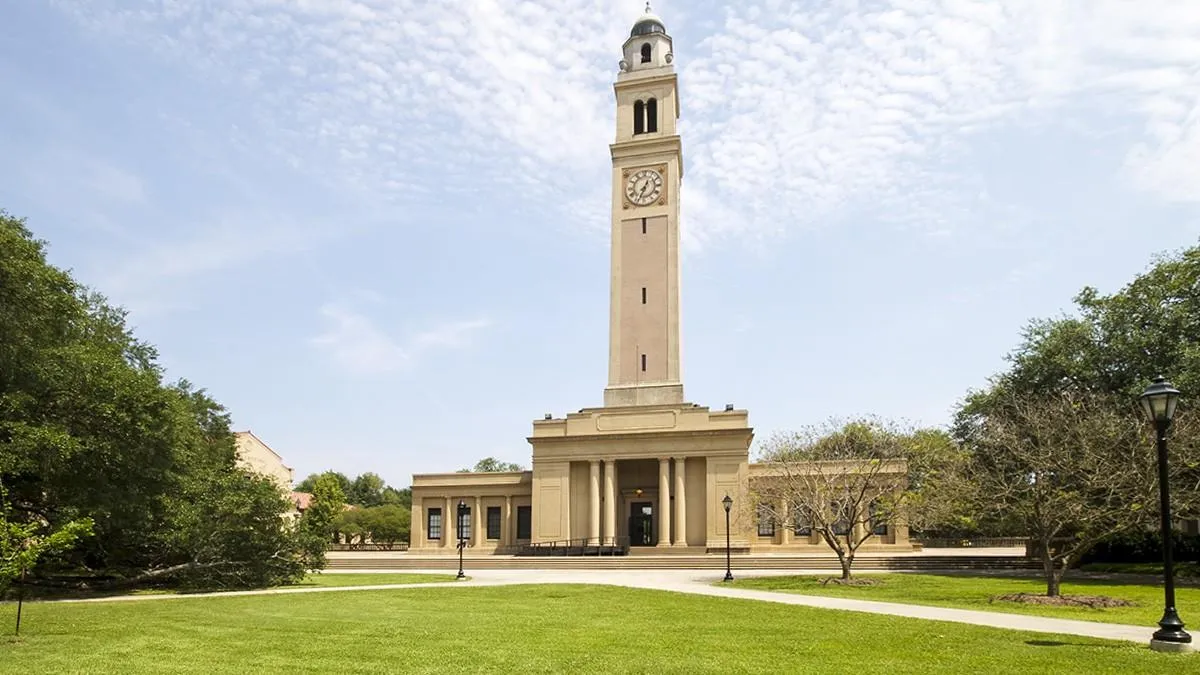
x=1090, y=645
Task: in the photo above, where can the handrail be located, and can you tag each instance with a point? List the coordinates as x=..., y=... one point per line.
x=582, y=546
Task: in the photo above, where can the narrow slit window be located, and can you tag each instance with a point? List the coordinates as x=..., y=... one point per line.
x=639, y=117
x=643, y=226
x=652, y=115
x=643, y=363
x=643, y=295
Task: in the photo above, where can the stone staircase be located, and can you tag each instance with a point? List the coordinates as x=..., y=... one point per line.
x=912, y=563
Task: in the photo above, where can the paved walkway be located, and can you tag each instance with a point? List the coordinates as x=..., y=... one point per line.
x=700, y=582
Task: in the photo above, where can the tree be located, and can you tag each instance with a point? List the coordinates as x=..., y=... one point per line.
x=1071, y=469
x=492, y=465
x=317, y=524
x=366, y=490
x=388, y=524
x=230, y=530
x=89, y=431
x=400, y=497
x=23, y=542
x=310, y=481
x=848, y=482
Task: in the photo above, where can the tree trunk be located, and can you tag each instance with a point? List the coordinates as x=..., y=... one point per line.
x=846, y=559
x=1050, y=571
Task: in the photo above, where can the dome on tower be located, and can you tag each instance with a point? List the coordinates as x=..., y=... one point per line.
x=648, y=24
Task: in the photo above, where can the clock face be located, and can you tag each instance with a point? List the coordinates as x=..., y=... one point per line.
x=643, y=187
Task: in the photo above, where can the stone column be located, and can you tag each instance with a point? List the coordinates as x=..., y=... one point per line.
x=610, y=501
x=449, y=524
x=478, y=534
x=785, y=523
x=417, y=536
x=680, y=501
x=508, y=537
x=664, y=502
x=594, y=501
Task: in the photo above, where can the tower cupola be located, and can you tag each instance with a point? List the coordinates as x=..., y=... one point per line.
x=648, y=46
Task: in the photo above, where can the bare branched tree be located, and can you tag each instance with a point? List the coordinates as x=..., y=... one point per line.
x=846, y=483
x=1073, y=469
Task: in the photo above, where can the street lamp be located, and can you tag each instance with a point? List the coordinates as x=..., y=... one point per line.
x=727, y=503
x=1159, y=401
x=462, y=540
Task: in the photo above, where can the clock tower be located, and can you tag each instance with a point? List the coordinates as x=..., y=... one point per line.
x=647, y=168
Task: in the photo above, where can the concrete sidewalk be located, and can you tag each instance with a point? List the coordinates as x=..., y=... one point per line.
x=700, y=582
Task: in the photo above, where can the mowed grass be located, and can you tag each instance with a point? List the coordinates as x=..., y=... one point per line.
x=526, y=629
x=327, y=580
x=976, y=592
x=322, y=580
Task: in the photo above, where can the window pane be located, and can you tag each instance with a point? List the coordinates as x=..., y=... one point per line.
x=434, y=524
x=493, y=522
x=464, y=524
x=523, y=522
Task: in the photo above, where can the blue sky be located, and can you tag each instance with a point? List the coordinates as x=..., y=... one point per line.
x=377, y=230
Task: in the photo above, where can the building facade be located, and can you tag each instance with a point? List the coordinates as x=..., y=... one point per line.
x=257, y=456
x=647, y=469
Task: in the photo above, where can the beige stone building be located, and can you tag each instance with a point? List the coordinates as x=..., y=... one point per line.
x=257, y=456
x=647, y=469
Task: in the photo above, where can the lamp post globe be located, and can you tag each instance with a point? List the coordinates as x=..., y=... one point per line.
x=462, y=540
x=1158, y=402
x=727, y=502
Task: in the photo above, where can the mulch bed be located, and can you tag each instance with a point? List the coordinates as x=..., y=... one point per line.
x=1093, y=601
x=838, y=581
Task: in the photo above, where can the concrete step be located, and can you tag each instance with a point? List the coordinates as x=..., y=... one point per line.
x=904, y=563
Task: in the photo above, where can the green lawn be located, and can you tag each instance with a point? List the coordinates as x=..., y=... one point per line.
x=975, y=592
x=1185, y=570
x=310, y=581
x=327, y=579
x=548, y=628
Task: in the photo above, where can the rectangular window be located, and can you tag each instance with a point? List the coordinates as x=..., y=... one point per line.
x=766, y=524
x=643, y=226
x=841, y=522
x=643, y=363
x=464, y=524
x=523, y=522
x=643, y=295
x=493, y=522
x=801, y=522
x=878, y=521
x=433, y=524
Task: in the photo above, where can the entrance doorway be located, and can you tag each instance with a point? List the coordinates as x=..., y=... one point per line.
x=641, y=524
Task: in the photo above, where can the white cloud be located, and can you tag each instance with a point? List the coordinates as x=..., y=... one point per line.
x=354, y=342
x=232, y=240
x=794, y=114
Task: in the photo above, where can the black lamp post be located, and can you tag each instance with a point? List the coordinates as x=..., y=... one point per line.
x=462, y=540
x=727, y=503
x=1159, y=401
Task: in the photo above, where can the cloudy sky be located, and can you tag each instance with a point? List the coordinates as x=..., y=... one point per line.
x=376, y=229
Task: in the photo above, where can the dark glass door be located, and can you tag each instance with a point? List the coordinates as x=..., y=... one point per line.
x=641, y=524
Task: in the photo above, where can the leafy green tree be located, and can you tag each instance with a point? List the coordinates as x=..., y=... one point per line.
x=1112, y=348
x=318, y=521
x=490, y=465
x=351, y=527
x=231, y=529
x=388, y=524
x=366, y=490
x=89, y=432
x=24, y=543
x=401, y=497
x=307, y=485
